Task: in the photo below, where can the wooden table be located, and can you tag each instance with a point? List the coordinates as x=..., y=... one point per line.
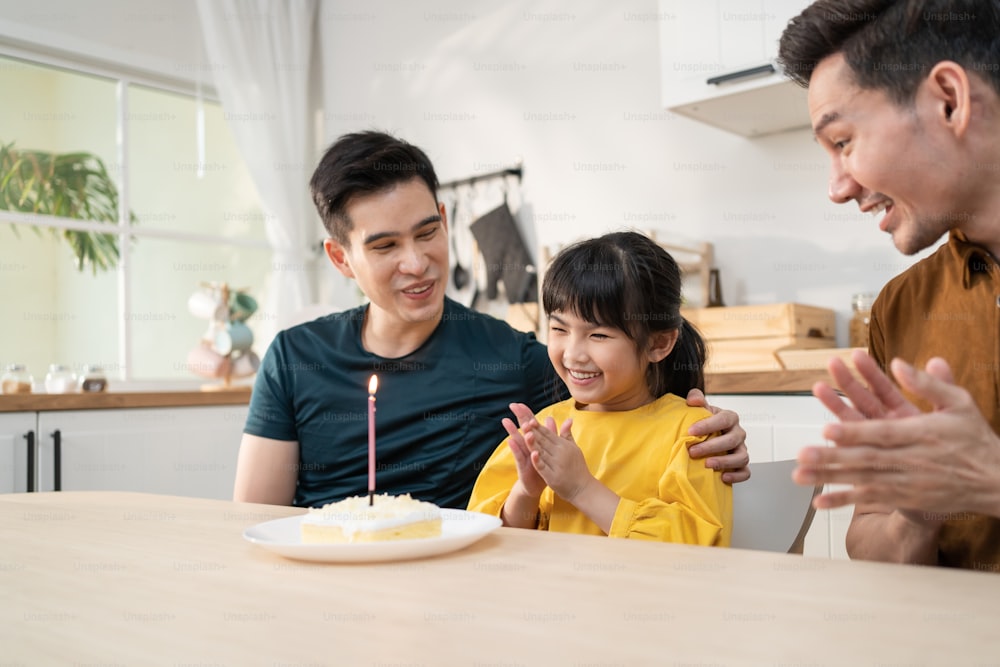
x=136, y=579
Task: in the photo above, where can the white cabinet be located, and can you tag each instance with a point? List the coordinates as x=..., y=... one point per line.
x=178, y=451
x=718, y=64
x=17, y=449
x=777, y=427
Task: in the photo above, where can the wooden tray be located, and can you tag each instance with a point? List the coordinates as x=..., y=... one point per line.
x=763, y=321
x=792, y=359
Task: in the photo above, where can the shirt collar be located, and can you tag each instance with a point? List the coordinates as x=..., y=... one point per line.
x=973, y=259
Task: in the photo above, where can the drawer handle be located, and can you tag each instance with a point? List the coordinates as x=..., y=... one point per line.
x=30, y=437
x=741, y=74
x=57, y=460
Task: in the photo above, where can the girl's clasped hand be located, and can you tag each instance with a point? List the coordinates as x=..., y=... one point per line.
x=546, y=455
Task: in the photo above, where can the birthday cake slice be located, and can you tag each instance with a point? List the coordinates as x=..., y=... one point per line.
x=388, y=518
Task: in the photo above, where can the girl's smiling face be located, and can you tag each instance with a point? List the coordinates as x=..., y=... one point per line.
x=600, y=365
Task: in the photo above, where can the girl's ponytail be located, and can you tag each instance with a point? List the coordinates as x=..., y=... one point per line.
x=684, y=368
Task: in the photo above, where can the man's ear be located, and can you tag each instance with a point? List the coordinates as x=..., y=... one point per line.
x=661, y=344
x=949, y=88
x=338, y=256
x=444, y=215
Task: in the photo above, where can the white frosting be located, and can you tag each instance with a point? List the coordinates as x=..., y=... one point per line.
x=354, y=514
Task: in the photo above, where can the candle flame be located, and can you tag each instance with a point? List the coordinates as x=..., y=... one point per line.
x=373, y=384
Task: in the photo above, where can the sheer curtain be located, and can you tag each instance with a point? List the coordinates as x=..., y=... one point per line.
x=259, y=56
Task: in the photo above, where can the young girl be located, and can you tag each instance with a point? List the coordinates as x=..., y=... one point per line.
x=613, y=459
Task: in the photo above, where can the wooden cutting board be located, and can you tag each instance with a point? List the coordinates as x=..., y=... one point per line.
x=793, y=359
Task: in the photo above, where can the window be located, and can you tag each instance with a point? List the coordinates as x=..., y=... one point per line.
x=195, y=217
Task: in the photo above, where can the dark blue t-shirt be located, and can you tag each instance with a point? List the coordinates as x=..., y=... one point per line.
x=438, y=409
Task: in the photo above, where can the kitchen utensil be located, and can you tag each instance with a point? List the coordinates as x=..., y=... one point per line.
x=236, y=336
x=206, y=362
x=246, y=364
x=714, y=290
x=459, y=275
x=241, y=306
x=207, y=306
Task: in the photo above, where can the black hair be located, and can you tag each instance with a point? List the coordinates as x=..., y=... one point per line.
x=364, y=163
x=626, y=281
x=892, y=45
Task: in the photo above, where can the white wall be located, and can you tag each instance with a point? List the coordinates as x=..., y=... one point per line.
x=573, y=89
x=155, y=38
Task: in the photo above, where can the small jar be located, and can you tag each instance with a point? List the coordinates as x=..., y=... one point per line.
x=858, y=330
x=16, y=380
x=60, y=380
x=92, y=380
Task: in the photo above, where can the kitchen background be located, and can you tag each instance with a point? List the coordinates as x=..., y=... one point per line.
x=570, y=89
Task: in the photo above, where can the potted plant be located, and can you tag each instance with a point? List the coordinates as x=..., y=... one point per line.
x=70, y=185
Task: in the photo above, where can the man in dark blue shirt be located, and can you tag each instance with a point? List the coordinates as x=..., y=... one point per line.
x=446, y=373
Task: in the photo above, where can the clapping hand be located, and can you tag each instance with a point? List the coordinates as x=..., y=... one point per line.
x=924, y=464
x=531, y=482
x=553, y=455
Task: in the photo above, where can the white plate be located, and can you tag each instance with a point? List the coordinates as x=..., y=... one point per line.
x=458, y=529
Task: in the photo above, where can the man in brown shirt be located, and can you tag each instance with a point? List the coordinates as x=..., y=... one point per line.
x=904, y=95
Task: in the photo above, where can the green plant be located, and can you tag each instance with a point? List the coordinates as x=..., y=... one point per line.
x=69, y=185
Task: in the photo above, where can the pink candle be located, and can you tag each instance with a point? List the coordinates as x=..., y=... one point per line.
x=372, y=386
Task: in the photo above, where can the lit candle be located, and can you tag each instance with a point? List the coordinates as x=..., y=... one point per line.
x=372, y=386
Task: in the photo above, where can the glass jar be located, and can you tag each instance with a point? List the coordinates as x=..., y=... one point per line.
x=92, y=380
x=16, y=380
x=858, y=330
x=60, y=380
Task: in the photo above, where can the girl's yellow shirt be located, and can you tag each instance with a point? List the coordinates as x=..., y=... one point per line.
x=642, y=455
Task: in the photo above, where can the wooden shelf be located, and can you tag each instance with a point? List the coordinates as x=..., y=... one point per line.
x=754, y=382
x=124, y=399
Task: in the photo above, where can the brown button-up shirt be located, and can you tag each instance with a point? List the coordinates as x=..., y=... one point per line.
x=948, y=305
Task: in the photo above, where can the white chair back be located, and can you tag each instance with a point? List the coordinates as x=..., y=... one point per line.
x=770, y=511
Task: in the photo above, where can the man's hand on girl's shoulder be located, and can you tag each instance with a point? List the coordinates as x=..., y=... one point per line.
x=726, y=451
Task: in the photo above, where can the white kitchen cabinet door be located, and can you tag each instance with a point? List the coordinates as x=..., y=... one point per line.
x=18, y=431
x=176, y=451
x=741, y=34
x=717, y=64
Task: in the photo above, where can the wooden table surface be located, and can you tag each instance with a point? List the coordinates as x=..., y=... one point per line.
x=115, y=578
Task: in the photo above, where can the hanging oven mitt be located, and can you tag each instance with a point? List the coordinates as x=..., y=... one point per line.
x=506, y=256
